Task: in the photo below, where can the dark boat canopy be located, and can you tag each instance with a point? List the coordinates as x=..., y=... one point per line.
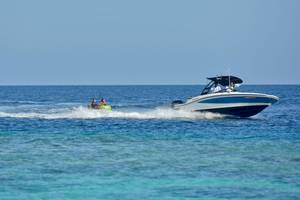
x=224, y=80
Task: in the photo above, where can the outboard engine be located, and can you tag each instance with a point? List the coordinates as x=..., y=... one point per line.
x=176, y=102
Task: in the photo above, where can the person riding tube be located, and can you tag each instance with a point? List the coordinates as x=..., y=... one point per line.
x=93, y=103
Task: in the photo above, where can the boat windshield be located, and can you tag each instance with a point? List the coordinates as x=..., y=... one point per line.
x=214, y=87
x=221, y=84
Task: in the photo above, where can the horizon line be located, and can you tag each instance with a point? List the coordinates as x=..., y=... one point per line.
x=267, y=84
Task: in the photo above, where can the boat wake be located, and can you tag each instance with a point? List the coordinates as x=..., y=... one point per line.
x=84, y=113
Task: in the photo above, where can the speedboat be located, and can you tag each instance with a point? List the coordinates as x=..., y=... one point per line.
x=220, y=95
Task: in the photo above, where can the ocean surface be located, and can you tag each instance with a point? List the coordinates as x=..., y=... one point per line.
x=53, y=147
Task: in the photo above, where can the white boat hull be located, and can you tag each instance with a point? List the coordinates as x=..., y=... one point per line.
x=239, y=104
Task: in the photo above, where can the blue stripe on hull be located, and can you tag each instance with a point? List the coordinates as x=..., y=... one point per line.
x=243, y=111
x=239, y=99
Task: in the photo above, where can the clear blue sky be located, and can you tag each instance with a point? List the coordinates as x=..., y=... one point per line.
x=148, y=42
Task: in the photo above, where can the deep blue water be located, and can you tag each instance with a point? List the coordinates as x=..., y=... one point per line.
x=52, y=147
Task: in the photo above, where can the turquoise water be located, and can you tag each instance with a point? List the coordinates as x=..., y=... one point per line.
x=52, y=147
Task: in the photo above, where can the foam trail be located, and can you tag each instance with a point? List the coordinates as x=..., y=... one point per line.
x=84, y=113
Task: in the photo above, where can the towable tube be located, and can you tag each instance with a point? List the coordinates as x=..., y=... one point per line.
x=101, y=107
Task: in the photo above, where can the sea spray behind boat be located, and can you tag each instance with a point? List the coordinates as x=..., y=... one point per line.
x=85, y=113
